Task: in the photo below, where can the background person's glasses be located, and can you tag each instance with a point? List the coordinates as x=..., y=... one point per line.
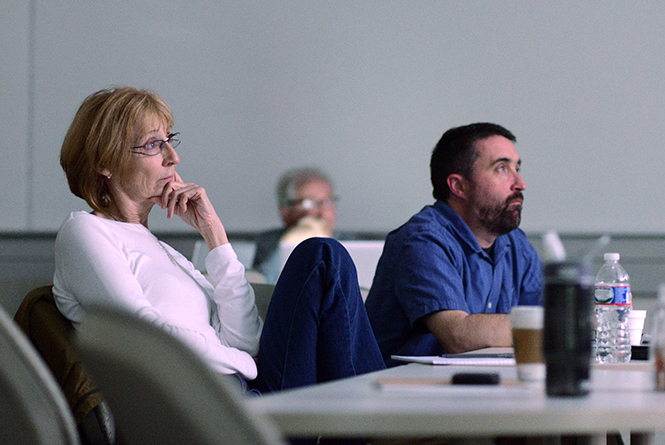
x=309, y=204
x=155, y=147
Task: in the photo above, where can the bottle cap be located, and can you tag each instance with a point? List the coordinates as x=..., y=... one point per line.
x=553, y=247
x=612, y=257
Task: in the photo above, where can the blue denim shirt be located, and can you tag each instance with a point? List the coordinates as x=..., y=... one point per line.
x=434, y=263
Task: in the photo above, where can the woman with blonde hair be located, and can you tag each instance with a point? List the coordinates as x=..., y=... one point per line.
x=119, y=156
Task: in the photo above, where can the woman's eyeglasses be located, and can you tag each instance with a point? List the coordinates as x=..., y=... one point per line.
x=156, y=147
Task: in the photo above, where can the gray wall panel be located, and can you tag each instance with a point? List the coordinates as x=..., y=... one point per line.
x=363, y=87
x=15, y=152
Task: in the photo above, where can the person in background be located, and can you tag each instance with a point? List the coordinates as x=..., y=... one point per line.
x=306, y=202
x=448, y=277
x=119, y=156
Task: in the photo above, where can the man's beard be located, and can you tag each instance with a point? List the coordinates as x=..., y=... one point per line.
x=504, y=218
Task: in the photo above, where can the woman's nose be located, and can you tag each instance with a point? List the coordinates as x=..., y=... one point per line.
x=169, y=155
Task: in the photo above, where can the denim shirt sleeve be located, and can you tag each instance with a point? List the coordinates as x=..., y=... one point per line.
x=429, y=275
x=438, y=272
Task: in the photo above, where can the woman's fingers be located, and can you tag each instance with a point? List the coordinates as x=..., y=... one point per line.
x=176, y=194
x=188, y=201
x=179, y=197
x=191, y=203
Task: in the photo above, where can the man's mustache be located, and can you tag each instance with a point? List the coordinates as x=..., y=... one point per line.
x=514, y=197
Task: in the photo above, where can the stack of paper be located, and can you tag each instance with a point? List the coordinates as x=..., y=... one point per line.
x=482, y=357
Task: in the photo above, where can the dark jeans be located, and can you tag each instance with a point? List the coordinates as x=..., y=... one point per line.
x=316, y=328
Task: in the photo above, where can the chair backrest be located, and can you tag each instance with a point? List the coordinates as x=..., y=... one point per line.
x=365, y=255
x=33, y=409
x=52, y=335
x=263, y=293
x=160, y=391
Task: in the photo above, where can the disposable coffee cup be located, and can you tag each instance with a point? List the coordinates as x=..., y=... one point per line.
x=636, y=325
x=527, y=327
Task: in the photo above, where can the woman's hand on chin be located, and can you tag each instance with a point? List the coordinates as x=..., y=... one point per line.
x=191, y=203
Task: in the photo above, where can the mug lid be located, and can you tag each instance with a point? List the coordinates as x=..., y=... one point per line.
x=526, y=317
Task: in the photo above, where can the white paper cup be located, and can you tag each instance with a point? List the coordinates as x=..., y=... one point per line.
x=527, y=327
x=636, y=325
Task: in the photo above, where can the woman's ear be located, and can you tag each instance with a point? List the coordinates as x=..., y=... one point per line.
x=458, y=185
x=105, y=172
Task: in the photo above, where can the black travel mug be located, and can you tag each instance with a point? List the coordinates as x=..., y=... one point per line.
x=567, y=328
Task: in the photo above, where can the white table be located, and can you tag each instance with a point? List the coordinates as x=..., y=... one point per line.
x=621, y=399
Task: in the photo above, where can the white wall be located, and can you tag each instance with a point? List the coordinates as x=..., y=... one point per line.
x=365, y=88
x=15, y=148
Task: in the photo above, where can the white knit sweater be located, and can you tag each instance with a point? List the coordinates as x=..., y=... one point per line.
x=123, y=265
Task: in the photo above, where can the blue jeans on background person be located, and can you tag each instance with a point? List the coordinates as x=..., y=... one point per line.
x=316, y=328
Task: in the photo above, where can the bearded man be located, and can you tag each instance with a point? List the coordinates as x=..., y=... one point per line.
x=447, y=278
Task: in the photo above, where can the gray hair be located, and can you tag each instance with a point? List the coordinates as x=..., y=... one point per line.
x=291, y=179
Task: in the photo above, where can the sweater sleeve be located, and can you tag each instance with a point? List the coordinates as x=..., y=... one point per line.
x=92, y=270
x=235, y=316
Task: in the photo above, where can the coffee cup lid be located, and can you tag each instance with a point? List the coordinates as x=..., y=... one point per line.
x=637, y=313
x=527, y=317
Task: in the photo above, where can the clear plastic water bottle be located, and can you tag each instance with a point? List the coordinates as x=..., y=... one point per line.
x=613, y=303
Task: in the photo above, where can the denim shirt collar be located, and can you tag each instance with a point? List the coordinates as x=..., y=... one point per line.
x=501, y=244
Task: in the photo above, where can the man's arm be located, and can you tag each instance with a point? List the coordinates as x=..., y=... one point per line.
x=459, y=332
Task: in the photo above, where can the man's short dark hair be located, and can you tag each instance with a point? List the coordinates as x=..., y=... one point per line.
x=456, y=152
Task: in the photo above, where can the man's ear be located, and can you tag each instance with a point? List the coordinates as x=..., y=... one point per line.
x=458, y=185
x=285, y=213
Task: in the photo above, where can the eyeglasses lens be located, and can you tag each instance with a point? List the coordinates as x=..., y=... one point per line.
x=174, y=140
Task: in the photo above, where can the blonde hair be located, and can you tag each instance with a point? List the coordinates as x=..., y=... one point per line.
x=105, y=127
